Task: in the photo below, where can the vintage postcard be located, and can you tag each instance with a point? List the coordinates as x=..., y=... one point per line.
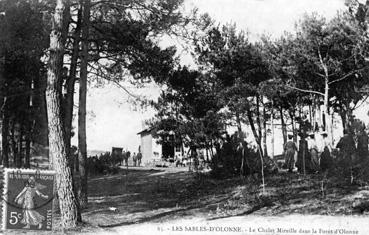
x=185, y=116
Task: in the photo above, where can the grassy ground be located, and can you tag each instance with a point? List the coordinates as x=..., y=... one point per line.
x=161, y=195
x=140, y=195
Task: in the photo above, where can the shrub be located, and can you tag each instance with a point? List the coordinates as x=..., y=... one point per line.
x=228, y=161
x=102, y=165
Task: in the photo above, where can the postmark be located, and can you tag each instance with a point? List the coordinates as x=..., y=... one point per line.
x=27, y=199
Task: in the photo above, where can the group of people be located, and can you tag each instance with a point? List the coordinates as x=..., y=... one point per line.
x=136, y=158
x=309, y=156
x=314, y=156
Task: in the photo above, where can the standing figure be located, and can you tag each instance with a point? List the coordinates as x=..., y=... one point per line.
x=124, y=155
x=290, y=149
x=362, y=144
x=26, y=199
x=193, y=157
x=134, y=158
x=347, y=148
x=139, y=158
x=347, y=153
x=227, y=154
x=303, y=155
x=326, y=160
x=245, y=167
x=128, y=155
x=313, y=150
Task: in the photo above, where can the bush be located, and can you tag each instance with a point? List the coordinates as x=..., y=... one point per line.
x=227, y=162
x=102, y=165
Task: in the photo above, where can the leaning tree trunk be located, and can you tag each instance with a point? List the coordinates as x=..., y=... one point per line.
x=68, y=203
x=258, y=141
x=82, y=145
x=254, y=132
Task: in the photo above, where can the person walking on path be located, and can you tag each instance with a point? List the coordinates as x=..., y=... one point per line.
x=290, y=149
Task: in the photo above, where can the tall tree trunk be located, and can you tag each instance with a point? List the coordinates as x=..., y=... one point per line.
x=27, y=163
x=254, y=132
x=346, y=117
x=82, y=145
x=67, y=201
x=2, y=108
x=239, y=126
x=69, y=103
x=325, y=105
x=4, y=125
x=14, y=145
x=257, y=139
x=39, y=128
x=258, y=121
x=283, y=124
x=292, y=116
x=326, y=122
x=265, y=129
x=28, y=126
x=313, y=112
x=20, y=146
x=4, y=136
x=332, y=123
x=272, y=127
x=70, y=84
x=343, y=120
x=311, y=116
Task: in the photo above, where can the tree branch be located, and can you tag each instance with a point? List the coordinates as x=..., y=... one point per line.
x=306, y=91
x=324, y=66
x=320, y=75
x=344, y=77
x=101, y=74
x=357, y=105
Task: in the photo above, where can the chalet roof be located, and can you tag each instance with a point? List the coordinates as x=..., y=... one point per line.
x=145, y=131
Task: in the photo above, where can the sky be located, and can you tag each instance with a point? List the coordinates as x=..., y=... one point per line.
x=114, y=122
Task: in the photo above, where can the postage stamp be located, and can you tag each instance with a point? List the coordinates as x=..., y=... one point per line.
x=27, y=199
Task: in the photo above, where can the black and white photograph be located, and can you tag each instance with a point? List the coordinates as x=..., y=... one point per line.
x=184, y=117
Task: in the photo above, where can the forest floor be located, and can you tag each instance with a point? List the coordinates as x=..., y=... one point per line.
x=142, y=196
